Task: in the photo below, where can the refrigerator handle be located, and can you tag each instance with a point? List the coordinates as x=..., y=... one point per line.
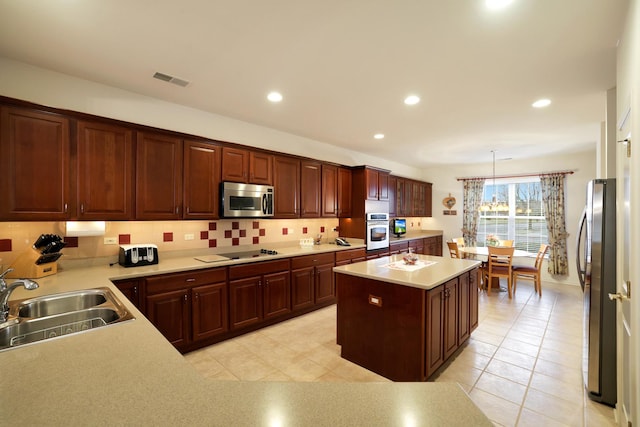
x=581, y=271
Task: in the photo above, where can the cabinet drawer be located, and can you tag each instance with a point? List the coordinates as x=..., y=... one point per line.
x=258, y=268
x=416, y=243
x=350, y=254
x=169, y=282
x=398, y=246
x=312, y=260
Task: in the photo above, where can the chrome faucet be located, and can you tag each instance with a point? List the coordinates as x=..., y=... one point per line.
x=6, y=290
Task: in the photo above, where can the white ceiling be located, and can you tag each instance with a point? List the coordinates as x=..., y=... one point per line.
x=344, y=67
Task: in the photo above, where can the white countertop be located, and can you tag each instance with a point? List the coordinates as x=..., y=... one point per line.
x=129, y=374
x=434, y=270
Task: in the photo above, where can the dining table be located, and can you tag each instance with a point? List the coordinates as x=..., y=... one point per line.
x=481, y=253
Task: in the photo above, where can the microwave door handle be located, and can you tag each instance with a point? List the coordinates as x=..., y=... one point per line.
x=581, y=271
x=264, y=204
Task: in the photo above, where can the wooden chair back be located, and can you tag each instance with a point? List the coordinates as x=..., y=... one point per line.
x=459, y=241
x=531, y=272
x=540, y=256
x=453, y=249
x=507, y=243
x=499, y=264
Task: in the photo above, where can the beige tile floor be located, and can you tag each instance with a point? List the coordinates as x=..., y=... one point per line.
x=522, y=366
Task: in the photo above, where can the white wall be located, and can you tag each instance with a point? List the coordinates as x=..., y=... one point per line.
x=444, y=182
x=46, y=87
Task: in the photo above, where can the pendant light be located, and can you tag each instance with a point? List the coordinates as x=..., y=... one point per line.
x=495, y=205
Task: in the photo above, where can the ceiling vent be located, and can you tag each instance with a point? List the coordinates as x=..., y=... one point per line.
x=170, y=79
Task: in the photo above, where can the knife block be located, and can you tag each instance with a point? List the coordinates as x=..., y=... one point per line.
x=25, y=267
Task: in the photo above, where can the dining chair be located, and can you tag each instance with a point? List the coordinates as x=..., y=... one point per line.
x=459, y=241
x=453, y=249
x=506, y=243
x=530, y=272
x=499, y=266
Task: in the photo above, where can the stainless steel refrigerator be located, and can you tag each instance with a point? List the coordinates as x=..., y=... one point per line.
x=596, y=263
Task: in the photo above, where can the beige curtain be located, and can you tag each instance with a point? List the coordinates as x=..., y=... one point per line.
x=472, y=196
x=552, y=187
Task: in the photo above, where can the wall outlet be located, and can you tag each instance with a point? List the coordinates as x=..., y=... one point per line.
x=189, y=236
x=110, y=240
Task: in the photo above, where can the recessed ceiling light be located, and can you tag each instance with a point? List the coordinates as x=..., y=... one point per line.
x=412, y=100
x=274, y=97
x=379, y=136
x=497, y=4
x=541, y=103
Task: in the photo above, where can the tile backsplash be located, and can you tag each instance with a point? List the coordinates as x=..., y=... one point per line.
x=217, y=235
x=16, y=237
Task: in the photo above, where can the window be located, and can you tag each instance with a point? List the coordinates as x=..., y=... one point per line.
x=512, y=209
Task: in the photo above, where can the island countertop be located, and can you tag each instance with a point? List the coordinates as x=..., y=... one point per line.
x=429, y=272
x=129, y=374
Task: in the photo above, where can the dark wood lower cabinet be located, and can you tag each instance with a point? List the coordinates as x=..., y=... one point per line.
x=188, y=307
x=258, y=291
x=132, y=290
x=401, y=332
x=312, y=280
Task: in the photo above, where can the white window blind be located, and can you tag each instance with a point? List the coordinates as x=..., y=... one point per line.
x=513, y=210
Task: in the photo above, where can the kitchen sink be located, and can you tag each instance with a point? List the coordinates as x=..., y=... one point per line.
x=61, y=303
x=51, y=316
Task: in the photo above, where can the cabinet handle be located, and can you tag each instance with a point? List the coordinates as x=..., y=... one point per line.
x=135, y=290
x=177, y=210
x=259, y=282
x=66, y=208
x=196, y=296
x=82, y=208
x=191, y=279
x=266, y=282
x=185, y=298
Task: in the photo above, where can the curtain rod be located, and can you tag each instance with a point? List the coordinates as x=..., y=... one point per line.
x=521, y=175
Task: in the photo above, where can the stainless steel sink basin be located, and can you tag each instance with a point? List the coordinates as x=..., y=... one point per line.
x=50, y=316
x=61, y=303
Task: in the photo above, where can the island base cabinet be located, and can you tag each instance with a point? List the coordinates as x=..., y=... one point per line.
x=401, y=332
x=381, y=327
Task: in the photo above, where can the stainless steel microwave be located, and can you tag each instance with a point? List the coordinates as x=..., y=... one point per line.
x=245, y=200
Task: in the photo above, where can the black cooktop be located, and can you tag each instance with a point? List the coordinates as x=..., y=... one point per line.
x=250, y=254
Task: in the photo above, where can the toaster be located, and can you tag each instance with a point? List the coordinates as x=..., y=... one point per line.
x=138, y=255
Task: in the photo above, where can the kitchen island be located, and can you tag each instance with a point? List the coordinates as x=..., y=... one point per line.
x=129, y=374
x=404, y=321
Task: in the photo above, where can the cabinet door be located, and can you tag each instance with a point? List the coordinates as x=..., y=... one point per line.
x=245, y=300
x=209, y=310
x=383, y=186
x=158, y=176
x=344, y=193
x=302, y=291
x=473, y=300
x=34, y=166
x=451, y=317
x=277, y=294
x=463, y=307
x=371, y=183
x=286, y=174
x=435, y=329
x=310, y=185
x=131, y=290
x=329, y=191
x=105, y=171
x=393, y=183
x=325, y=284
x=201, y=180
x=260, y=168
x=235, y=164
x=428, y=200
x=169, y=313
x=418, y=198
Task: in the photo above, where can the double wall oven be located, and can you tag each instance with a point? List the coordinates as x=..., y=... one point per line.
x=377, y=231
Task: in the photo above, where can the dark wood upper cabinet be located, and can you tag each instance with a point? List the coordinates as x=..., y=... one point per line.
x=201, y=180
x=286, y=176
x=235, y=164
x=344, y=193
x=239, y=165
x=310, y=185
x=105, y=171
x=377, y=184
x=158, y=176
x=393, y=201
x=329, y=191
x=34, y=165
x=260, y=168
